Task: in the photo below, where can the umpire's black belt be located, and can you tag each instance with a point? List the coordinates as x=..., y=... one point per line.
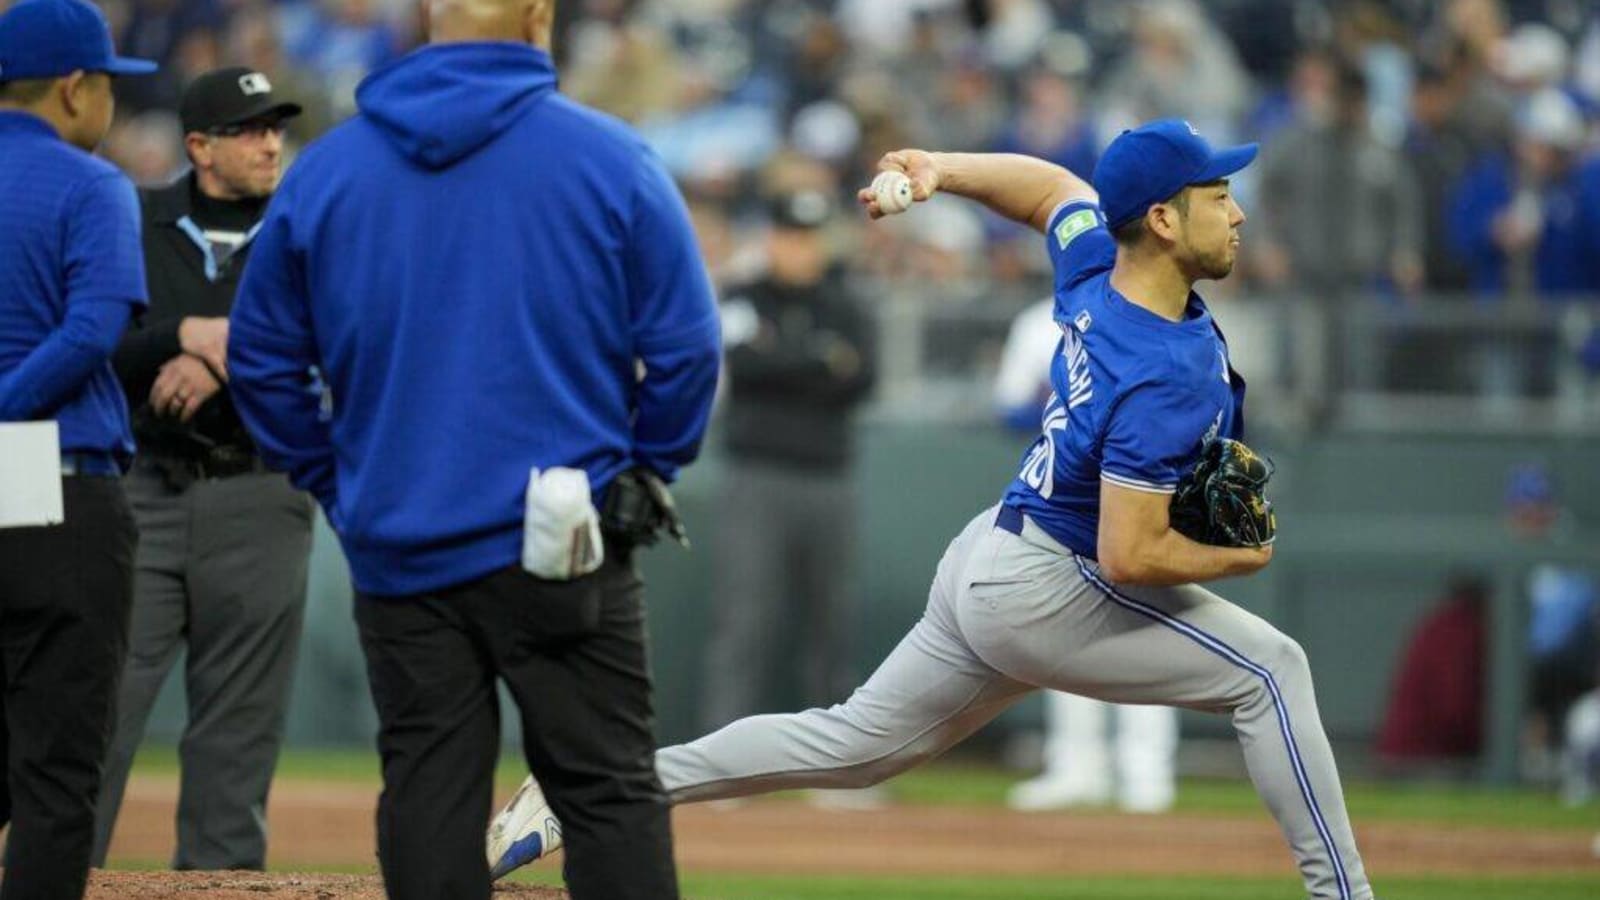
x=217, y=464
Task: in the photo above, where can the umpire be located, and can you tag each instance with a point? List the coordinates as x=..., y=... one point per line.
x=801, y=359
x=70, y=277
x=490, y=278
x=223, y=543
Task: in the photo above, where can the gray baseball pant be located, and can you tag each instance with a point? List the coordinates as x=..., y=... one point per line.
x=785, y=578
x=1009, y=613
x=221, y=569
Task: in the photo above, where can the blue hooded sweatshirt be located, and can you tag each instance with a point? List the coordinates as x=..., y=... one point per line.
x=488, y=277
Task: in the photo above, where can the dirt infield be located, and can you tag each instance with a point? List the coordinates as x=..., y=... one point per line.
x=261, y=886
x=331, y=824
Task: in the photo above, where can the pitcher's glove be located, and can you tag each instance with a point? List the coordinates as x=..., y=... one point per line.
x=1222, y=502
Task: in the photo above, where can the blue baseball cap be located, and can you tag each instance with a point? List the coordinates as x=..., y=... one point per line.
x=52, y=38
x=1148, y=164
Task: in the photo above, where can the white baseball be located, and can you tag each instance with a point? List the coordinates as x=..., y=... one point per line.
x=892, y=191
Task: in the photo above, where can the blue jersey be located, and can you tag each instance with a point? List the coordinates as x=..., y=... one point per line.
x=591, y=340
x=1133, y=395
x=71, y=273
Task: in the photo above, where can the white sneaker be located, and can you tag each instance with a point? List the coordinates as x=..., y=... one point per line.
x=524, y=831
x=1057, y=792
x=1156, y=797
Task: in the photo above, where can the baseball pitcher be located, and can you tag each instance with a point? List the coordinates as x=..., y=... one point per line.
x=1085, y=577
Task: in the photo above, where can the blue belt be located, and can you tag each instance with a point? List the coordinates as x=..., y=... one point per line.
x=96, y=465
x=1009, y=519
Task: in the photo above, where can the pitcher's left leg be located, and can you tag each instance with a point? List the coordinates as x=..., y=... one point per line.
x=1262, y=678
x=1070, y=629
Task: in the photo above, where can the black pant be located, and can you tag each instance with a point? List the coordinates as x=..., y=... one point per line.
x=65, y=594
x=573, y=656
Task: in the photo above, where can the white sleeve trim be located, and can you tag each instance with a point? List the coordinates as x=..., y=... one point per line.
x=1134, y=483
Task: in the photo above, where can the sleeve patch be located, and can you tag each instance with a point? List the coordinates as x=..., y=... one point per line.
x=1068, y=229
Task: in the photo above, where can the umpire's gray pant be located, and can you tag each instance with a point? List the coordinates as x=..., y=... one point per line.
x=785, y=578
x=221, y=568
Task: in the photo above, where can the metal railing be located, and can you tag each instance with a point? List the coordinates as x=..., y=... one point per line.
x=1434, y=364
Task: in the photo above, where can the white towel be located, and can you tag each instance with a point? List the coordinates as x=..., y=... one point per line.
x=560, y=527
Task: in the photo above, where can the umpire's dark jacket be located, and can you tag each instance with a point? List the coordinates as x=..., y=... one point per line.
x=186, y=278
x=787, y=405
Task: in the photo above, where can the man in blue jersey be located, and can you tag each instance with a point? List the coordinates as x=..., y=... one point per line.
x=490, y=279
x=1076, y=580
x=1084, y=763
x=71, y=275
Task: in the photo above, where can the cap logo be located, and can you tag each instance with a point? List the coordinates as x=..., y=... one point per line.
x=254, y=83
x=1192, y=130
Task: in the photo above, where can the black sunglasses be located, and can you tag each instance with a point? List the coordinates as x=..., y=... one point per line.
x=256, y=129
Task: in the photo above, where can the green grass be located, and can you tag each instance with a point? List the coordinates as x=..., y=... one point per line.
x=341, y=764
x=1368, y=801
x=318, y=764
x=966, y=784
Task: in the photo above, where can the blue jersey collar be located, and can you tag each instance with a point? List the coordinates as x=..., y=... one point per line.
x=1196, y=317
x=21, y=121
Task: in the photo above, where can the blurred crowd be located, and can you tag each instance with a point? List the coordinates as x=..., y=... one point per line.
x=1410, y=145
x=1411, y=148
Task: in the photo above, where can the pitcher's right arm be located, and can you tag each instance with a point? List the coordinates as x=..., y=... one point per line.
x=1021, y=188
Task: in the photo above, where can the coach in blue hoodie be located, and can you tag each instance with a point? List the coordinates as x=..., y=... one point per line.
x=488, y=277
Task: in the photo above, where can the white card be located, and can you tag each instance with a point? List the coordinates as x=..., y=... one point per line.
x=30, y=474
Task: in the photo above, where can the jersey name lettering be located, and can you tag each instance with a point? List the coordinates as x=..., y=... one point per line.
x=1038, y=470
x=1079, y=385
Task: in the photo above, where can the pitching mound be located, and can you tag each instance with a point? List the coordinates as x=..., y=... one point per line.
x=105, y=885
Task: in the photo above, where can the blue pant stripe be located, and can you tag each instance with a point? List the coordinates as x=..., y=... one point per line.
x=1226, y=652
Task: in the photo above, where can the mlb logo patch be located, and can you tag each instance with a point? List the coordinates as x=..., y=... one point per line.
x=254, y=83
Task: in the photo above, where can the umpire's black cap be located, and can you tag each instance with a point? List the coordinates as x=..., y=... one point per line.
x=800, y=210
x=229, y=97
